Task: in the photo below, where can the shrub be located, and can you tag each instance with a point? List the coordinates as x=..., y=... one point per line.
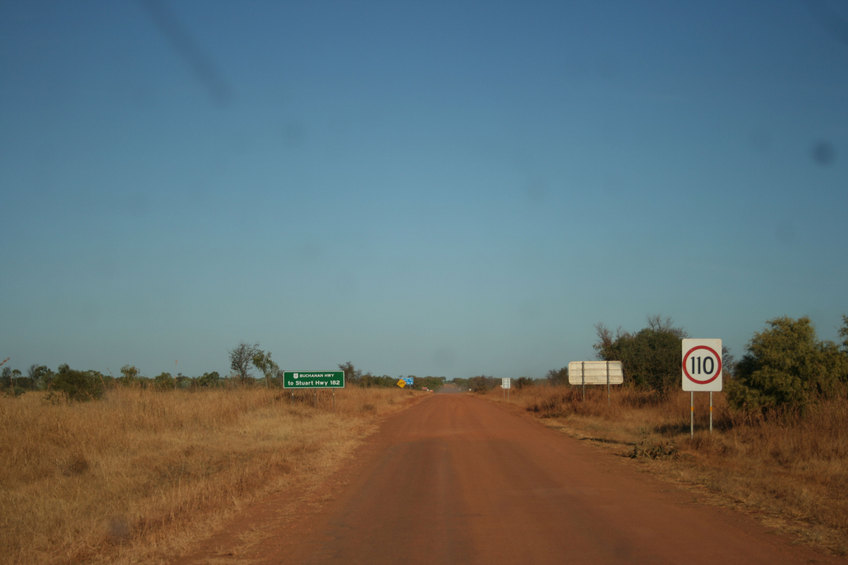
x=78, y=385
x=163, y=381
x=786, y=367
x=651, y=356
x=482, y=383
x=208, y=379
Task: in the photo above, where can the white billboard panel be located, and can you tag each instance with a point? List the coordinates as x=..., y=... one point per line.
x=595, y=373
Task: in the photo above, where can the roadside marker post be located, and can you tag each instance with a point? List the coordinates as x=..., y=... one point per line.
x=701, y=371
x=506, y=383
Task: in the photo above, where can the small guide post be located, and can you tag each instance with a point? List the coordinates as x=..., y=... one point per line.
x=711, y=411
x=692, y=413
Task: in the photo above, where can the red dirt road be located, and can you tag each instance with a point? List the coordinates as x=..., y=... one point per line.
x=458, y=479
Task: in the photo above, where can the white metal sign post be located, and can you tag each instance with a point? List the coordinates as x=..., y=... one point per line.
x=315, y=380
x=584, y=373
x=701, y=368
x=506, y=384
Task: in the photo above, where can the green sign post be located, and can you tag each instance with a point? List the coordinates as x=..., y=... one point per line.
x=313, y=379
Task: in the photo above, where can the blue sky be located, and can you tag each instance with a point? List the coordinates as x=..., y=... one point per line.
x=427, y=188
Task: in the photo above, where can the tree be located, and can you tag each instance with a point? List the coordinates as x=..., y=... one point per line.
x=787, y=367
x=728, y=362
x=352, y=376
x=262, y=361
x=129, y=375
x=482, y=383
x=6, y=380
x=432, y=383
x=13, y=382
x=843, y=333
x=522, y=382
x=78, y=385
x=183, y=382
x=41, y=376
x=19, y=383
x=241, y=359
x=164, y=381
x=557, y=376
x=208, y=379
x=650, y=357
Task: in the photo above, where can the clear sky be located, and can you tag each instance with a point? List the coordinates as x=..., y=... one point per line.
x=443, y=188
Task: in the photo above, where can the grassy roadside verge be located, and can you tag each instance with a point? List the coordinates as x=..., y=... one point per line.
x=139, y=475
x=790, y=473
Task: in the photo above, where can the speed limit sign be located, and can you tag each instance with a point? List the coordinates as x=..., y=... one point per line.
x=701, y=364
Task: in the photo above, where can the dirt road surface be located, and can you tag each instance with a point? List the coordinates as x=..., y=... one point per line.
x=457, y=479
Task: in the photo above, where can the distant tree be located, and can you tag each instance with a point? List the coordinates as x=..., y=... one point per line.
x=352, y=376
x=241, y=359
x=13, y=382
x=183, y=382
x=41, y=376
x=787, y=367
x=129, y=372
x=431, y=383
x=262, y=361
x=367, y=380
x=523, y=382
x=78, y=385
x=385, y=381
x=208, y=379
x=650, y=357
x=557, y=376
x=461, y=383
x=482, y=383
x=843, y=333
x=163, y=381
x=19, y=382
x=728, y=362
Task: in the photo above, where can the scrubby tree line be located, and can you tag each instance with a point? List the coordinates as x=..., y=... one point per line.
x=355, y=377
x=89, y=384
x=786, y=366
x=483, y=383
x=246, y=362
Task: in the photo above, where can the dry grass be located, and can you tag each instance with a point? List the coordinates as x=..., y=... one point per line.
x=791, y=472
x=137, y=476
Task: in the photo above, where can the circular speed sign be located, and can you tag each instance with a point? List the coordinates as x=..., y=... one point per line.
x=701, y=364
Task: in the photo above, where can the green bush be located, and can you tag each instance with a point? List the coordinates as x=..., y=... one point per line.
x=164, y=381
x=482, y=383
x=208, y=379
x=651, y=356
x=78, y=385
x=787, y=367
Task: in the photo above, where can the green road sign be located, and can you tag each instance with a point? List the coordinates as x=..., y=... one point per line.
x=313, y=379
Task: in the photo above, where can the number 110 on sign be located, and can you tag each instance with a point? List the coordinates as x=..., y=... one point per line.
x=701, y=364
x=695, y=368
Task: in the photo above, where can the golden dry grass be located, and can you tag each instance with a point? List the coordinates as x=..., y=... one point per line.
x=790, y=472
x=137, y=476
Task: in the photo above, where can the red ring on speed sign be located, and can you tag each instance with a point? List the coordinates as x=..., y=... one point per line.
x=693, y=379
